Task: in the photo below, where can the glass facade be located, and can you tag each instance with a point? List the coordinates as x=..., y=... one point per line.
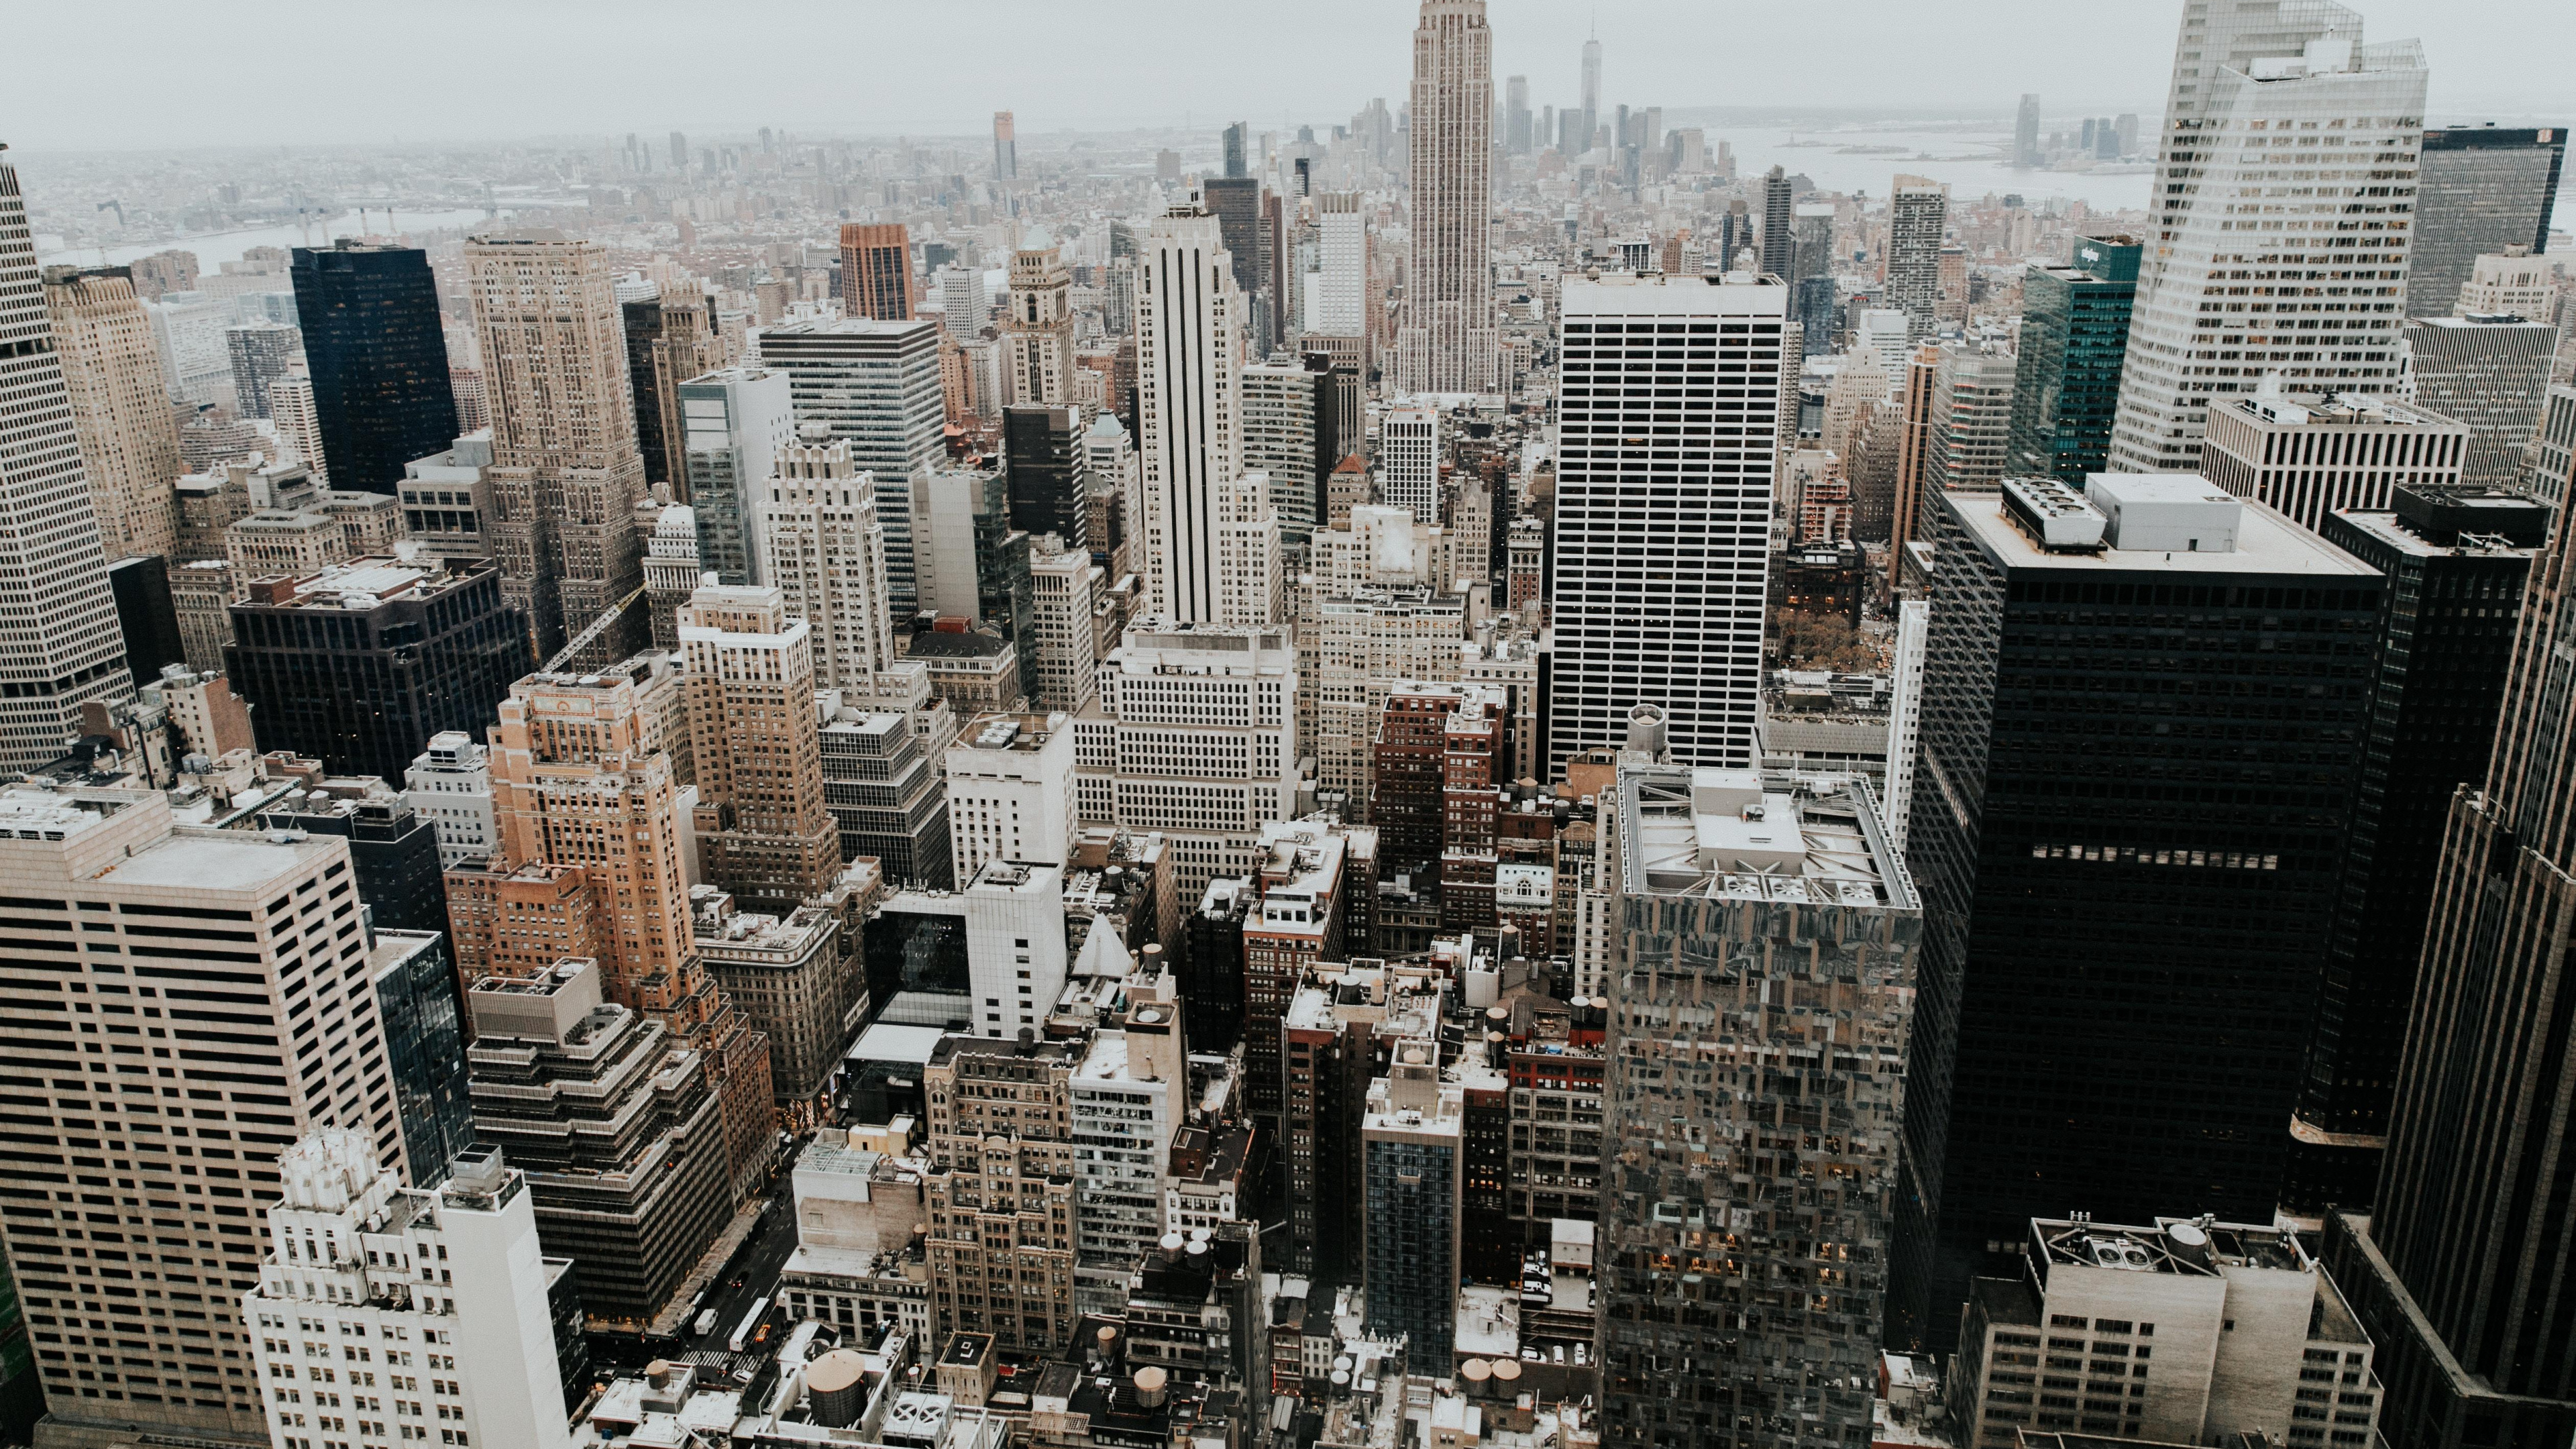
x=1412, y=1206
x=2066, y=384
x=424, y=1050
x=378, y=357
x=2481, y=189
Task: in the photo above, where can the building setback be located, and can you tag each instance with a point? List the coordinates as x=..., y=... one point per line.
x=875, y=386
x=2137, y=844
x=359, y=665
x=2309, y=455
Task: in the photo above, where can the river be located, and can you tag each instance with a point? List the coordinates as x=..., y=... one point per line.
x=216, y=248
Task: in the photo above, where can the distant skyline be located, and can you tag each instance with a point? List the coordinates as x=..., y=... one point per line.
x=300, y=72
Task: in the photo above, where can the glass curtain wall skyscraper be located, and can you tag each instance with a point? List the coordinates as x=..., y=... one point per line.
x=378, y=359
x=2481, y=189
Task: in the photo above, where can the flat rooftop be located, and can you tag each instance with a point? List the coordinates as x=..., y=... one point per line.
x=1736, y=834
x=2267, y=542
x=228, y=860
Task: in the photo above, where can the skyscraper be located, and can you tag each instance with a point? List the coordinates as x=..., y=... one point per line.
x=1695, y=858
x=762, y=831
x=2459, y=1271
x=1189, y=401
x=1516, y=115
x=2457, y=561
x=2026, y=133
x=1917, y=213
x=129, y=434
x=876, y=270
x=1233, y=141
x=1337, y=311
x=824, y=549
x=964, y=308
x=1235, y=202
x=251, y=920
x=1006, y=149
x=2481, y=189
x=1591, y=92
x=1037, y=327
x=679, y=151
x=565, y=473
x=1448, y=342
x=378, y=357
x=733, y=422
x=2132, y=1025
x=2066, y=381
x=875, y=386
x=2249, y=71
x=1661, y=602
x=60, y=646
x=1779, y=226
x=1049, y=472
x=2491, y=373
x=670, y=338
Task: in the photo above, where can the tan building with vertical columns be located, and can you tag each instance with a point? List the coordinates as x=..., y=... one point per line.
x=129, y=435
x=763, y=832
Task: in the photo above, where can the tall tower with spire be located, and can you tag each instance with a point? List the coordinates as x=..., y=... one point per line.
x=1448, y=342
x=1591, y=85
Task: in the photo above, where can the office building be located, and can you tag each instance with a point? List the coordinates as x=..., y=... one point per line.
x=1448, y=342
x=2553, y=450
x=671, y=337
x=876, y=271
x=63, y=646
x=2456, y=561
x=762, y=832
x=964, y=307
x=188, y=330
x=1048, y=468
x=1006, y=149
x=2456, y=1271
x=2066, y=379
x=2491, y=374
x=1412, y=1150
x=2309, y=456
x=1337, y=317
x=989, y=959
x=2248, y=70
x=2198, y=1331
x=1065, y=627
x=565, y=474
x=1409, y=462
x=881, y=776
x=426, y=1276
x=2026, y=133
x=220, y=912
x=1189, y=405
x=450, y=786
x=1685, y=635
x=1001, y=1190
x=875, y=386
x=296, y=423
x=1037, y=327
x=1971, y=417
x=1126, y=1103
x=1918, y=213
x=393, y=850
x=146, y=617
x=378, y=359
x=2510, y=283
x=824, y=551
x=792, y=975
x=358, y=665
x=129, y=433
x=2482, y=189
x=734, y=422
x=261, y=354
x=1288, y=434
x=617, y=1128
x=1010, y=791
x=1518, y=131
x=1697, y=856
x=1194, y=736
x=445, y=503
x=1779, y=226
x=424, y=1024
x=2023, y=1092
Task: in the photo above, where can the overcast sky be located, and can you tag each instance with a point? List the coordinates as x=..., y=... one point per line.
x=164, y=75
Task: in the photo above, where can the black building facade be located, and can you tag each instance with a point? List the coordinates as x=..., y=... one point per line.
x=378, y=359
x=2136, y=768
x=1212, y=981
x=2456, y=563
x=145, y=615
x=393, y=850
x=1049, y=477
x=360, y=666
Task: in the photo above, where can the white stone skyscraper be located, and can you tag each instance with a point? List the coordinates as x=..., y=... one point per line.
x=1448, y=342
x=1189, y=406
x=1663, y=509
x=1037, y=333
x=1337, y=312
x=2271, y=100
x=59, y=643
x=824, y=548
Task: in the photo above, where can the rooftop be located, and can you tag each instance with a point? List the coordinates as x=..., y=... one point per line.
x=1735, y=834
x=362, y=584
x=2267, y=542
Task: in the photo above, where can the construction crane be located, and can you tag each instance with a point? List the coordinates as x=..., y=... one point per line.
x=590, y=636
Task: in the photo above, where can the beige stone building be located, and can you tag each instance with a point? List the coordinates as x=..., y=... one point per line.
x=129, y=435
x=1001, y=1189
x=566, y=473
x=763, y=832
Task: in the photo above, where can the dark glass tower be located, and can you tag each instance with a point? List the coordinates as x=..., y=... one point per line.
x=2479, y=189
x=1050, y=479
x=2456, y=561
x=379, y=363
x=2463, y=1275
x=2139, y=732
x=2066, y=383
x=146, y=615
x=1235, y=202
x=359, y=666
